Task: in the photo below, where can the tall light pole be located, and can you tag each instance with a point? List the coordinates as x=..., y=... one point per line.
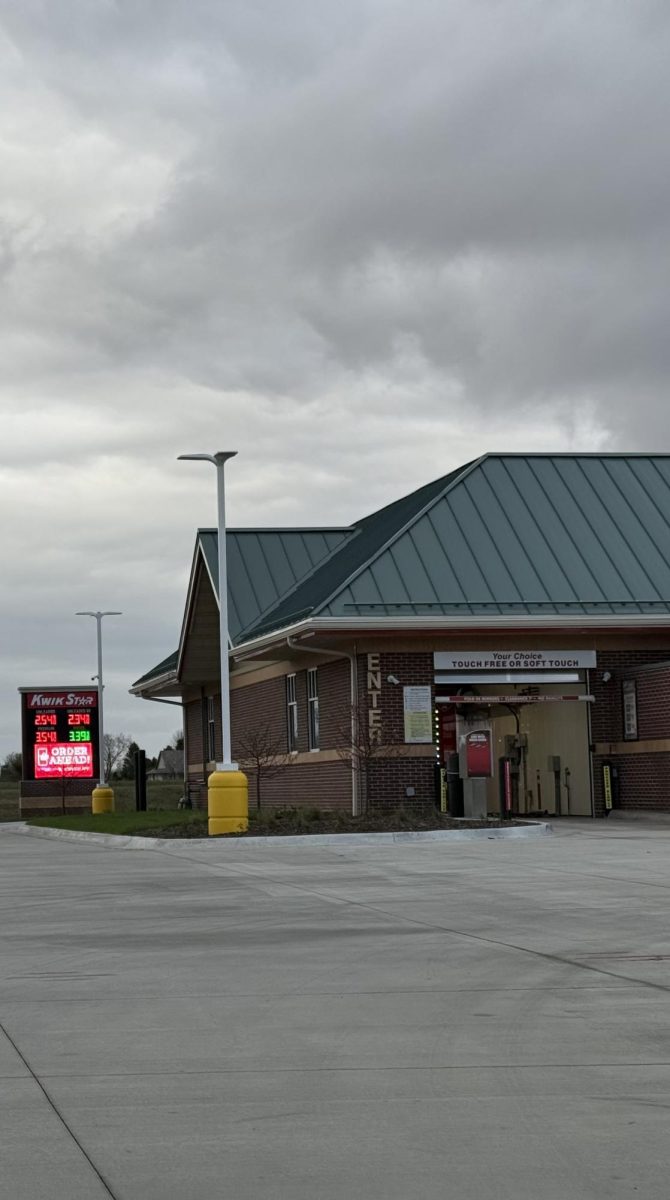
x=227, y=787
x=103, y=796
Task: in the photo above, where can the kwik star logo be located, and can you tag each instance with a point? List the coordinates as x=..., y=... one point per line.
x=62, y=699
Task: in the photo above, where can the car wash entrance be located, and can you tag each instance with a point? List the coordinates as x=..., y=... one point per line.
x=513, y=731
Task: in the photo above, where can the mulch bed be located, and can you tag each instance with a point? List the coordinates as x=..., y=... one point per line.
x=291, y=821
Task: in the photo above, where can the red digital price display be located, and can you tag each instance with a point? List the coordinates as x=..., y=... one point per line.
x=60, y=734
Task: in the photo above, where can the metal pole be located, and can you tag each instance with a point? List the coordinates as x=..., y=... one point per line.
x=101, y=725
x=101, y=731
x=227, y=787
x=223, y=614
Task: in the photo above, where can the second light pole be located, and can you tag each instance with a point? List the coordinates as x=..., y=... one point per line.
x=227, y=786
x=102, y=797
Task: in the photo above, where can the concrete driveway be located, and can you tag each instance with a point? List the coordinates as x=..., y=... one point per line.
x=478, y=1021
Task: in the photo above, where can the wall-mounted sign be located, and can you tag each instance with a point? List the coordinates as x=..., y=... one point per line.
x=513, y=660
x=374, y=690
x=60, y=733
x=418, y=709
x=629, y=688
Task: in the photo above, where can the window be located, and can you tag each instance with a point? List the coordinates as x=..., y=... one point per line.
x=291, y=713
x=313, y=708
x=211, y=730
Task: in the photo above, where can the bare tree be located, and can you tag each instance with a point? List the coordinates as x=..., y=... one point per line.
x=116, y=750
x=12, y=767
x=177, y=740
x=264, y=754
x=360, y=744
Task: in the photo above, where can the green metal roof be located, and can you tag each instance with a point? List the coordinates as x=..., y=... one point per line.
x=166, y=667
x=369, y=536
x=507, y=534
x=265, y=564
x=534, y=533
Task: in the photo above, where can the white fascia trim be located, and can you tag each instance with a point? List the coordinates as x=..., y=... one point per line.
x=451, y=625
x=160, y=681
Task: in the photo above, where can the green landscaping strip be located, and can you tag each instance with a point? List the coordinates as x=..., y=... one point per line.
x=150, y=823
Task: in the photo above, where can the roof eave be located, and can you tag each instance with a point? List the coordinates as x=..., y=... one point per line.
x=450, y=625
x=156, y=686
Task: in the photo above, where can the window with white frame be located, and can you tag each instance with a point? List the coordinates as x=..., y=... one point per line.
x=211, y=730
x=291, y=713
x=313, y=708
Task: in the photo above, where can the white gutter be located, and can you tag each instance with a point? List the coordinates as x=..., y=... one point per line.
x=437, y=624
x=169, y=677
x=353, y=696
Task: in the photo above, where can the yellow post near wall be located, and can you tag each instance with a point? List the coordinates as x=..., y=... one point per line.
x=102, y=800
x=227, y=802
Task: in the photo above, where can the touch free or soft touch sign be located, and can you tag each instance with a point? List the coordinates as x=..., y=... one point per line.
x=513, y=660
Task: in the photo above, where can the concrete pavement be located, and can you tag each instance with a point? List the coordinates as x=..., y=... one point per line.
x=477, y=1020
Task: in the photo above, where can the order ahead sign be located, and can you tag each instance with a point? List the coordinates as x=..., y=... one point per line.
x=513, y=660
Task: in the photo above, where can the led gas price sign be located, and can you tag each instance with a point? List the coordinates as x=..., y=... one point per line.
x=60, y=734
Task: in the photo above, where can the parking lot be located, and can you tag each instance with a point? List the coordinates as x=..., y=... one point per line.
x=478, y=1020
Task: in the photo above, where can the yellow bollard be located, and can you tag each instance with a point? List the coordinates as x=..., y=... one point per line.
x=102, y=800
x=227, y=802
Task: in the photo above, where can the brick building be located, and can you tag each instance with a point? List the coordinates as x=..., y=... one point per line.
x=501, y=635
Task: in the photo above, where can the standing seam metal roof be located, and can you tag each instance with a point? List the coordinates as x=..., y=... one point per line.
x=265, y=564
x=509, y=533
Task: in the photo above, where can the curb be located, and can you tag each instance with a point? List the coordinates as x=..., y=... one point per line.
x=130, y=842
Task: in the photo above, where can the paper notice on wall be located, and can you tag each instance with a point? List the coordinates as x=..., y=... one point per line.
x=418, y=714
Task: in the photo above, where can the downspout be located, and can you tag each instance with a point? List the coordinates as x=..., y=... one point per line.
x=353, y=696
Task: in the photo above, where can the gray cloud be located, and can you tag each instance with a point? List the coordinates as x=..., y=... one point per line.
x=360, y=242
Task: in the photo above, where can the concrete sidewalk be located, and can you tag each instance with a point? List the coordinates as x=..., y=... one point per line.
x=478, y=1020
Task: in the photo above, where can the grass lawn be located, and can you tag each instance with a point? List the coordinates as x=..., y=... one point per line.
x=150, y=823
x=160, y=797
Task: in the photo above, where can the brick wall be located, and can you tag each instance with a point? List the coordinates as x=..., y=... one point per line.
x=653, y=703
x=194, y=733
x=644, y=779
x=385, y=782
x=334, y=680
x=317, y=784
x=260, y=704
x=48, y=798
x=320, y=783
x=607, y=712
x=389, y=779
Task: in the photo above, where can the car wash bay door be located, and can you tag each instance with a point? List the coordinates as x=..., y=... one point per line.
x=542, y=708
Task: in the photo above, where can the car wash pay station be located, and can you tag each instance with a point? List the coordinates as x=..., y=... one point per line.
x=513, y=730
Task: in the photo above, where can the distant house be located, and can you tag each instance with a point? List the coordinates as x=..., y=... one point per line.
x=170, y=766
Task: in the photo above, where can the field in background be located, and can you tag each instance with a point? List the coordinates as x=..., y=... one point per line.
x=160, y=797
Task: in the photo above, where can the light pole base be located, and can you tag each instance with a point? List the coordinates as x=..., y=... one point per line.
x=227, y=802
x=102, y=800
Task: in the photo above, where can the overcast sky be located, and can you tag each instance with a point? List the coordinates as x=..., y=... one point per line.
x=358, y=242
